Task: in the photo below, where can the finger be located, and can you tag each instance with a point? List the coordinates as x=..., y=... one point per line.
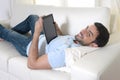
x=42, y=16
x=54, y=22
x=1, y=39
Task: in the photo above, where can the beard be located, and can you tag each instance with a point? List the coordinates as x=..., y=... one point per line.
x=79, y=40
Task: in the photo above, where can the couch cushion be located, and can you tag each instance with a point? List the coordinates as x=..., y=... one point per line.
x=7, y=51
x=71, y=20
x=18, y=67
x=5, y=23
x=4, y=75
x=98, y=64
x=101, y=64
x=25, y=10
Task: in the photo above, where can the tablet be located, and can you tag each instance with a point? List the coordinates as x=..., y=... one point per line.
x=49, y=28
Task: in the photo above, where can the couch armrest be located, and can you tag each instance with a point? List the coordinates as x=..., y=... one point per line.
x=96, y=65
x=5, y=23
x=82, y=73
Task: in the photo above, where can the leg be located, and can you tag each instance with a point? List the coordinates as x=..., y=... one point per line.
x=18, y=40
x=27, y=25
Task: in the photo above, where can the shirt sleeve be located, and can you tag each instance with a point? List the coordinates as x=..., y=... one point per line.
x=56, y=59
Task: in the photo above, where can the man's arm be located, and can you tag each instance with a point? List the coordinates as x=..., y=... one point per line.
x=34, y=61
x=59, y=32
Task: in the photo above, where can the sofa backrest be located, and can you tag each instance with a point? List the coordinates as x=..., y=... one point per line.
x=71, y=20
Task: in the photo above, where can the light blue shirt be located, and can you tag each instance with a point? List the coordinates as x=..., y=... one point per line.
x=55, y=49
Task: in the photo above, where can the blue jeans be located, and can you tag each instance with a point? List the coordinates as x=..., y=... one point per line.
x=16, y=34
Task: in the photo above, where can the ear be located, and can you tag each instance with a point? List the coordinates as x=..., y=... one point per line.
x=93, y=45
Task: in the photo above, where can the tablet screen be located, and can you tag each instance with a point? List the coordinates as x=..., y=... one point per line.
x=49, y=28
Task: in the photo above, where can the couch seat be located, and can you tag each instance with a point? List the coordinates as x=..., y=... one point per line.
x=7, y=51
x=18, y=67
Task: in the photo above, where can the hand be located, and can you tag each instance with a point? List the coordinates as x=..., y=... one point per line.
x=38, y=26
x=56, y=25
x=59, y=32
x=1, y=39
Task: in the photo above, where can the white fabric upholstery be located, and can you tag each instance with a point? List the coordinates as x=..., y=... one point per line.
x=101, y=64
x=73, y=55
x=71, y=20
x=93, y=70
x=5, y=23
x=4, y=75
x=7, y=51
x=24, y=73
x=93, y=66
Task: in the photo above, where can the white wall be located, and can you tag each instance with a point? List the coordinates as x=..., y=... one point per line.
x=4, y=9
x=5, y=6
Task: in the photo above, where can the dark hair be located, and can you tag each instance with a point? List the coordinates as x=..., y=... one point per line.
x=103, y=37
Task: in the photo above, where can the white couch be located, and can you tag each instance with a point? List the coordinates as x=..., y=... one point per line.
x=101, y=64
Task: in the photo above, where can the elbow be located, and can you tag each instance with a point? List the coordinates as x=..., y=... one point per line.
x=30, y=65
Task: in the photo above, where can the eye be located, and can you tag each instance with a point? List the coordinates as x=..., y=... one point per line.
x=89, y=34
x=87, y=28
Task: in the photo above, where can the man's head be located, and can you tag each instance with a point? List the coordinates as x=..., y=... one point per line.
x=95, y=35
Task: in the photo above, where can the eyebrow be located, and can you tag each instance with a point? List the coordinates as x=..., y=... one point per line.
x=90, y=31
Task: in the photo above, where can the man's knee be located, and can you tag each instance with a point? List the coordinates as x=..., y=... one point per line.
x=33, y=17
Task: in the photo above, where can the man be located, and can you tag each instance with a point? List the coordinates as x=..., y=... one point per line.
x=52, y=55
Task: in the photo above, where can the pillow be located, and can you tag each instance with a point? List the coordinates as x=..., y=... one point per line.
x=73, y=55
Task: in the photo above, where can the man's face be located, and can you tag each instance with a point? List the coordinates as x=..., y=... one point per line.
x=87, y=35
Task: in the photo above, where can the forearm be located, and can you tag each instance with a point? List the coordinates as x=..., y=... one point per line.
x=33, y=51
x=59, y=32
x=34, y=60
